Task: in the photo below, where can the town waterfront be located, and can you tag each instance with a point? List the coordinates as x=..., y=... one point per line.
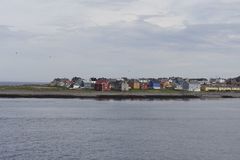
x=130, y=130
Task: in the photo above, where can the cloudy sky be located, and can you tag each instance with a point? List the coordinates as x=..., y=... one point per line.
x=43, y=39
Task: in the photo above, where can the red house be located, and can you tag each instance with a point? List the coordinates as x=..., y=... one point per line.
x=102, y=85
x=143, y=86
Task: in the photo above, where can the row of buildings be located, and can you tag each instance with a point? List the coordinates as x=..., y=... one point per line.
x=125, y=84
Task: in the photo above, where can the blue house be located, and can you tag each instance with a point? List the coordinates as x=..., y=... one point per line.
x=154, y=84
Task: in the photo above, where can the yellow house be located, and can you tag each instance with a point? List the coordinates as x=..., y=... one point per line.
x=134, y=84
x=217, y=88
x=206, y=88
x=236, y=89
x=166, y=85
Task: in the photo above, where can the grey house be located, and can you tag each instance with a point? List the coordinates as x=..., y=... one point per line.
x=119, y=85
x=181, y=84
x=87, y=85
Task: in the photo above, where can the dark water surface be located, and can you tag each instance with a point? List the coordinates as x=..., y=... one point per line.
x=32, y=129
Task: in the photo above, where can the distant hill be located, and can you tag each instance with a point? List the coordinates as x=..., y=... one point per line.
x=237, y=79
x=234, y=81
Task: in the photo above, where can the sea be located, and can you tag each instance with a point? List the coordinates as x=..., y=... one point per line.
x=74, y=129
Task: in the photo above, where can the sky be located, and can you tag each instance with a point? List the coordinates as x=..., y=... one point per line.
x=42, y=39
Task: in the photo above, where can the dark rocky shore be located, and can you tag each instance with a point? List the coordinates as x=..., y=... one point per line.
x=114, y=95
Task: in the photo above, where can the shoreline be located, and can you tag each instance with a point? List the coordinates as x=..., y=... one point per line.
x=72, y=94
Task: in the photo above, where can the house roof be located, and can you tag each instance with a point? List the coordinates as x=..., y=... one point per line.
x=102, y=81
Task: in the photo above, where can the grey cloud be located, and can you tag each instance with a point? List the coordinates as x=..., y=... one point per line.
x=95, y=3
x=194, y=38
x=107, y=2
x=215, y=11
x=131, y=48
x=7, y=34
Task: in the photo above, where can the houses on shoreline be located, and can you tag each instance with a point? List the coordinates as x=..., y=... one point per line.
x=173, y=83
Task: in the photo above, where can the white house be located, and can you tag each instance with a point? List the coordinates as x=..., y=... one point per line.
x=194, y=87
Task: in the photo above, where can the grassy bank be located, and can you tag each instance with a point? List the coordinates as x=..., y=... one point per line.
x=44, y=91
x=155, y=91
x=48, y=88
x=31, y=88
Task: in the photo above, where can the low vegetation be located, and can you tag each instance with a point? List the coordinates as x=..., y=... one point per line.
x=48, y=88
x=155, y=91
x=31, y=88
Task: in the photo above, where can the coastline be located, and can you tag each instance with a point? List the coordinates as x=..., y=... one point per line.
x=71, y=94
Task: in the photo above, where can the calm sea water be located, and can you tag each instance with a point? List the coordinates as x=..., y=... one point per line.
x=32, y=129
